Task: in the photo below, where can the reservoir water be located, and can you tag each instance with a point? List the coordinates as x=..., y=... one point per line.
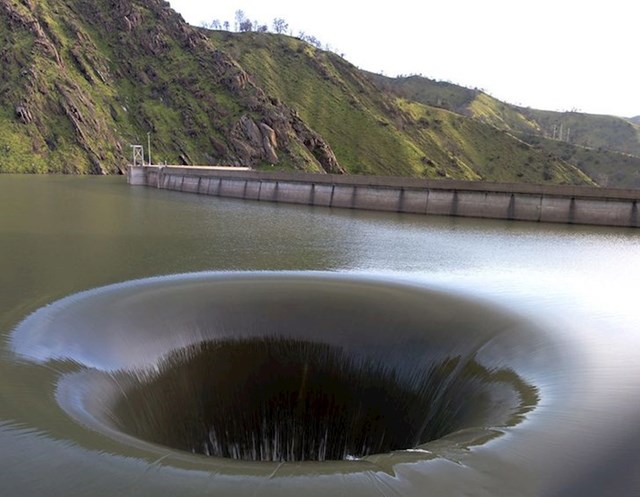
x=527, y=337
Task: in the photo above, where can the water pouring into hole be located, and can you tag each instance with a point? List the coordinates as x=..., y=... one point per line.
x=275, y=399
x=276, y=367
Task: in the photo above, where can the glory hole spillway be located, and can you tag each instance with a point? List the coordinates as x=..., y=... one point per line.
x=156, y=343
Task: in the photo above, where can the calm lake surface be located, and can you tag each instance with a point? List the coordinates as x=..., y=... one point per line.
x=579, y=285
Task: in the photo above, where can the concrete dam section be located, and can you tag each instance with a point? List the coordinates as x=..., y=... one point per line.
x=510, y=201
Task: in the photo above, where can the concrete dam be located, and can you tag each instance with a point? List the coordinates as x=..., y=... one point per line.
x=509, y=201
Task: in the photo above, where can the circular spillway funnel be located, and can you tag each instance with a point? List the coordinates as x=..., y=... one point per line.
x=284, y=367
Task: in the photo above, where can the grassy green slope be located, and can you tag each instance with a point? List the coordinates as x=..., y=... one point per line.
x=592, y=131
x=606, y=167
x=376, y=133
x=588, y=130
x=427, y=91
x=491, y=153
x=194, y=98
x=606, y=148
x=83, y=79
x=336, y=101
x=501, y=115
x=46, y=110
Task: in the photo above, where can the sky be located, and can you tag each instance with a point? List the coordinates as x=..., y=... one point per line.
x=547, y=54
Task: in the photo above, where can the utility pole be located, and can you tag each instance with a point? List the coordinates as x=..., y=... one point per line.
x=149, y=146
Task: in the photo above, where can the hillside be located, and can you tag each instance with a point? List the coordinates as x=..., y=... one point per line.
x=375, y=133
x=607, y=148
x=82, y=80
x=588, y=130
x=607, y=168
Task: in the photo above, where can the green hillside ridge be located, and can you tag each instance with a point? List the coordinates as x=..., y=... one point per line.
x=375, y=133
x=607, y=168
x=330, y=100
x=82, y=80
x=607, y=148
x=439, y=94
x=588, y=130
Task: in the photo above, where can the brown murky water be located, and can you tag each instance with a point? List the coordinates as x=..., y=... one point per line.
x=424, y=356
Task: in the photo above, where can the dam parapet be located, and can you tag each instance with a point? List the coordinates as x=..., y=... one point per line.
x=510, y=201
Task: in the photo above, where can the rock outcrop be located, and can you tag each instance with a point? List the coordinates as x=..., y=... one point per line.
x=96, y=77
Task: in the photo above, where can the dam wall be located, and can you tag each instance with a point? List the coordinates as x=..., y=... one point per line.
x=510, y=201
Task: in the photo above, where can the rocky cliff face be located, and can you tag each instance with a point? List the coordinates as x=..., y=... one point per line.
x=44, y=107
x=88, y=78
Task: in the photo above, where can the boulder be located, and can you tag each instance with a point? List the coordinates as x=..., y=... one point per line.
x=269, y=143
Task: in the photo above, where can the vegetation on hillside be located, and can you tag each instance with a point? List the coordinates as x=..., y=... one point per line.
x=85, y=79
x=82, y=80
x=372, y=132
x=607, y=148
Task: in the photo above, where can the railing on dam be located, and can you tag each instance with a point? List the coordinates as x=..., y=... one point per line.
x=513, y=201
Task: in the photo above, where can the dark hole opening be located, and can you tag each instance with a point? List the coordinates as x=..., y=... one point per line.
x=276, y=399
